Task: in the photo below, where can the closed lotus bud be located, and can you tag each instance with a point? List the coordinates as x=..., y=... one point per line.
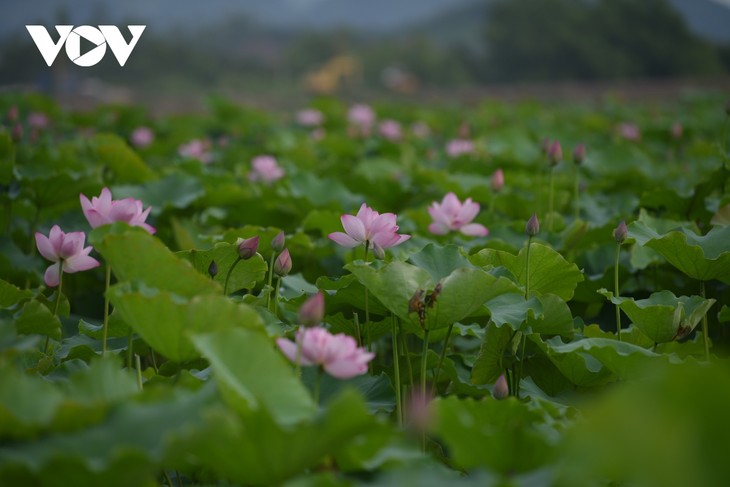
x=282, y=264
x=500, y=389
x=17, y=133
x=555, y=153
x=278, y=242
x=311, y=312
x=579, y=153
x=13, y=114
x=677, y=130
x=498, y=180
x=533, y=226
x=213, y=269
x=248, y=247
x=621, y=232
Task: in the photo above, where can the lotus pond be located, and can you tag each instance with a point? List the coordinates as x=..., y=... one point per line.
x=528, y=294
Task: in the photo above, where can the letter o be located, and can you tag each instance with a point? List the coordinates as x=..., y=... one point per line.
x=73, y=46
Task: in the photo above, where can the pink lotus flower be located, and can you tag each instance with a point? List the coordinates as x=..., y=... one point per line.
x=452, y=215
x=196, y=149
x=390, y=129
x=142, y=137
x=309, y=117
x=265, y=169
x=629, y=131
x=369, y=227
x=459, y=147
x=38, y=120
x=361, y=115
x=67, y=248
x=338, y=354
x=103, y=210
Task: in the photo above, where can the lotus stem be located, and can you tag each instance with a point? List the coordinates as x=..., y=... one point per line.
x=616, y=291
x=705, y=328
x=230, y=271
x=396, y=372
x=107, y=283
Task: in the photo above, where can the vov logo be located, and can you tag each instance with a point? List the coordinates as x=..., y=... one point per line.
x=100, y=38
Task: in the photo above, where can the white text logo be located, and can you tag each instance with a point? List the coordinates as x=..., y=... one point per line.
x=105, y=34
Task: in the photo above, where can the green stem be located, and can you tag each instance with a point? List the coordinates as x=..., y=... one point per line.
x=138, y=366
x=317, y=380
x=276, y=296
x=576, y=193
x=521, y=368
x=107, y=282
x=58, y=300
x=527, y=267
x=167, y=478
x=154, y=362
x=424, y=355
x=550, y=202
x=396, y=371
x=271, y=276
x=615, y=291
x=404, y=342
x=130, y=340
x=704, y=324
x=356, y=319
x=367, y=310
x=443, y=355
x=228, y=276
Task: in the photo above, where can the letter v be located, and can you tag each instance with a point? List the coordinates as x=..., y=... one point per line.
x=45, y=44
x=116, y=41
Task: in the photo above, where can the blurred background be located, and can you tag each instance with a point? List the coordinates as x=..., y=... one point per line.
x=279, y=53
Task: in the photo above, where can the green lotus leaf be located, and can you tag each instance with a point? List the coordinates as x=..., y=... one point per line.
x=663, y=317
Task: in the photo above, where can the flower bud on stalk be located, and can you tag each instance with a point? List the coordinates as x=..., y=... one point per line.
x=500, y=389
x=555, y=153
x=311, y=312
x=278, y=242
x=579, y=154
x=248, y=247
x=533, y=226
x=620, y=232
x=283, y=265
x=498, y=180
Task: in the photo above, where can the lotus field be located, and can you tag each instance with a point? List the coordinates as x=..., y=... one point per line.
x=527, y=294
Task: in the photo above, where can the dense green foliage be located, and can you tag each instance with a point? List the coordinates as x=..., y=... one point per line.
x=193, y=390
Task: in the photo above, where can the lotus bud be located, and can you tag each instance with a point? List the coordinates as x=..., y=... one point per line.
x=13, y=114
x=545, y=146
x=555, y=153
x=579, y=153
x=500, y=389
x=498, y=180
x=278, y=242
x=533, y=226
x=17, y=133
x=248, y=247
x=311, y=312
x=620, y=232
x=282, y=264
x=213, y=268
x=677, y=130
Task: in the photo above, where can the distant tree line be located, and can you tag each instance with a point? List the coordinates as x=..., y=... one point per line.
x=537, y=40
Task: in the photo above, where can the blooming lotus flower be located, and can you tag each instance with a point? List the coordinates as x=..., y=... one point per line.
x=196, y=149
x=390, y=129
x=369, y=227
x=452, y=215
x=309, y=117
x=265, y=169
x=142, y=137
x=338, y=354
x=103, y=210
x=67, y=248
x=459, y=147
x=629, y=131
x=38, y=120
x=361, y=115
